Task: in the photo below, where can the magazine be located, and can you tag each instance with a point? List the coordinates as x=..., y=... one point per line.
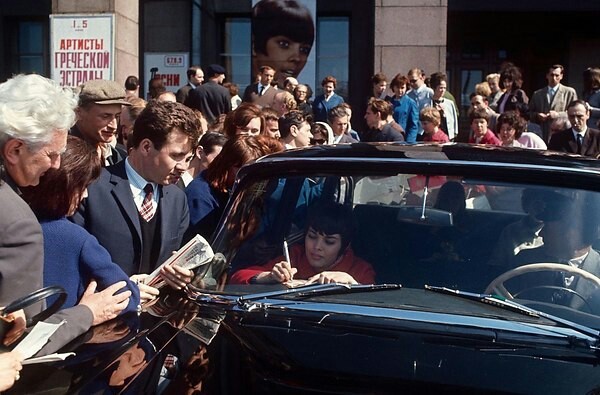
x=194, y=253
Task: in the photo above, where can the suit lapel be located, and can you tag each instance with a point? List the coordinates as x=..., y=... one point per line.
x=122, y=194
x=165, y=214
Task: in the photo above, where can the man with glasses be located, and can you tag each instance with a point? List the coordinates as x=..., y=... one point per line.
x=549, y=102
x=98, y=112
x=419, y=92
x=579, y=139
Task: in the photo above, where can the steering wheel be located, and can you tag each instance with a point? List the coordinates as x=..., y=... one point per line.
x=497, y=284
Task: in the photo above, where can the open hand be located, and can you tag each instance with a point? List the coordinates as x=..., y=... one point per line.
x=107, y=304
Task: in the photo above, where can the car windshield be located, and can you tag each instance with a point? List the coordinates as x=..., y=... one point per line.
x=532, y=243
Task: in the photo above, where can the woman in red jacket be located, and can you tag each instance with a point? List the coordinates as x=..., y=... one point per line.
x=325, y=256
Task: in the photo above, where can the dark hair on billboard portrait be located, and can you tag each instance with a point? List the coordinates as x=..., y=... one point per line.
x=283, y=33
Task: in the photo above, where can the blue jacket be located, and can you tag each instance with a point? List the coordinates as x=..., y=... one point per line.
x=206, y=206
x=73, y=257
x=322, y=107
x=406, y=113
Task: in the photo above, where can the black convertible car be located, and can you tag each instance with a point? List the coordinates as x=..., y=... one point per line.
x=486, y=273
x=451, y=269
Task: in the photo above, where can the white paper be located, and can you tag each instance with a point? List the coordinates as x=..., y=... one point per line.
x=48, y=358
x=37, y=338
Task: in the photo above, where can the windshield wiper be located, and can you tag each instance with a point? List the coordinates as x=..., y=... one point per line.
x=511, y=305
x=313, y=290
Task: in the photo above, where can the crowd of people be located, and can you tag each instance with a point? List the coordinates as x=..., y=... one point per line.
x=413, y=107
x=99, y=186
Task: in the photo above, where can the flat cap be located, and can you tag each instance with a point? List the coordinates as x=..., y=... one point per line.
x=102, y=92
x=214, y=69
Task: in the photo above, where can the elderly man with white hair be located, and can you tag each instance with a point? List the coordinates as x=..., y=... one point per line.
x=35, y=116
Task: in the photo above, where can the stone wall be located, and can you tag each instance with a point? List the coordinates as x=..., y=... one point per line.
x=410, y=33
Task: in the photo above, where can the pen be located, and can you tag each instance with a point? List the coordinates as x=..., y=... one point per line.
x=286, y=252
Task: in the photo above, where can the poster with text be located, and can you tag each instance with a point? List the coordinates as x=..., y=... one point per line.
x=82, y=48
x=283, y=37
x=170, y=67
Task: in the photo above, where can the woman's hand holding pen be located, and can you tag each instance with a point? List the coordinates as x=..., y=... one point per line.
x=280, y=273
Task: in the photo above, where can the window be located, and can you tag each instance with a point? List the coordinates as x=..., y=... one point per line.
x=333, y=52
x=237, y=55
x=28, y=48
x=468, y=80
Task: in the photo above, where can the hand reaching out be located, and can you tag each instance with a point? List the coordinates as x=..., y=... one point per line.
x=147, y=292
x=107, y=304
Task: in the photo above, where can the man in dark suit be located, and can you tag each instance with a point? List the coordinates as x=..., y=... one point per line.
x=261, y=92
x=570, y=228
x=134, y=209
x=211, y=98
x=32, y=136
x=579, y=139
x=195, y=77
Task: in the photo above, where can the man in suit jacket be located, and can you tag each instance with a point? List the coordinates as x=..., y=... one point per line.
x=261, y=92
x=134, y=209
x=579, y=139
x=195, y=77
x=570, y=229
x=211, y=98
x=548, y=103
x=31, y=143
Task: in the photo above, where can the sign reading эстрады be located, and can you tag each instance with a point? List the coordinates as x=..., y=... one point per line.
x=82, y=48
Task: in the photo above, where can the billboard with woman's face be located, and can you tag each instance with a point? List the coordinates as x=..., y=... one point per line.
x=283, y=36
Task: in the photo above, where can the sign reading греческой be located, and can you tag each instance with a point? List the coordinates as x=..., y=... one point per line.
x=82, y=48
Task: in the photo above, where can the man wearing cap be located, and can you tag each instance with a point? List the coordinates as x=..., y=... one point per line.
x=211, y=98
x=100, y=103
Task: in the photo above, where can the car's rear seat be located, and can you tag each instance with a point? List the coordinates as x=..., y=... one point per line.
x=401, y=252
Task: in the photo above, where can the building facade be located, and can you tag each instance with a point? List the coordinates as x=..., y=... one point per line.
x=354, y=38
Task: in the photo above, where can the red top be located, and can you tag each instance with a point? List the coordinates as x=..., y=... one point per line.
x=358, y=268
x=488, y=138
x=438, y=137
